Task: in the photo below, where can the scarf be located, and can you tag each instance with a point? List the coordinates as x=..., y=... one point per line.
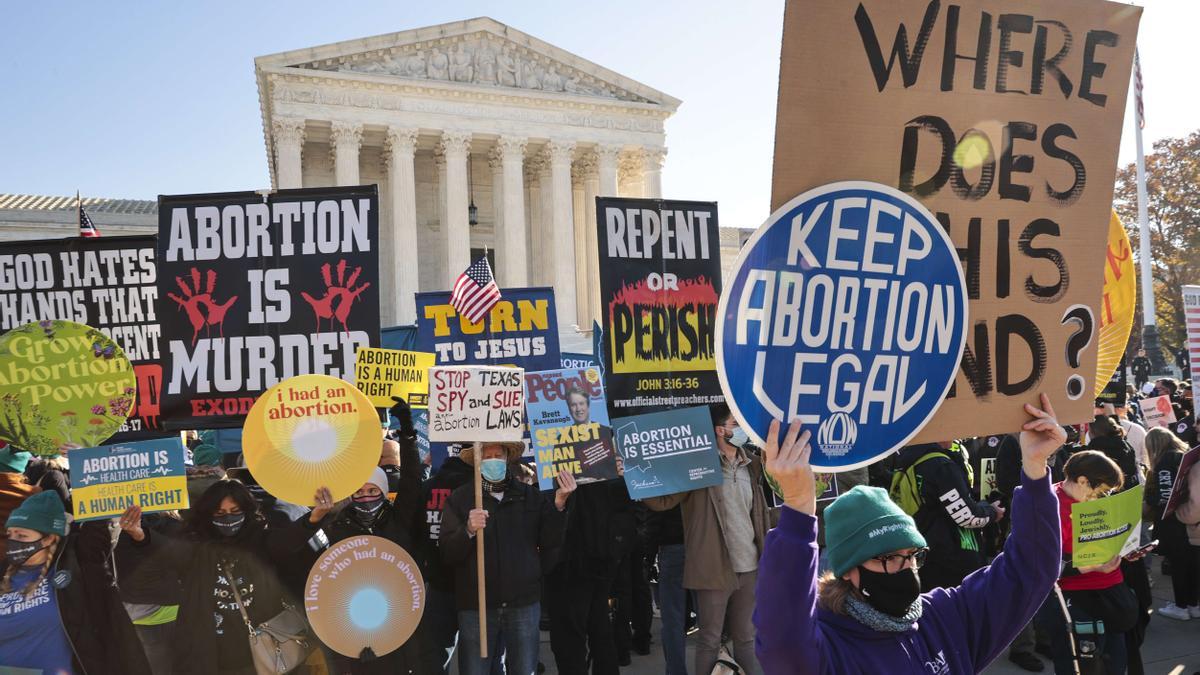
x=493, y=488
x=877, y=620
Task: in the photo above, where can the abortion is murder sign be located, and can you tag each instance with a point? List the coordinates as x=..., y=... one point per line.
x=1003, y=118
x=254, y=290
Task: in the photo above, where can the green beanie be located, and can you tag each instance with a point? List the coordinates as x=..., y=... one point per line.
x=206, y=455
x=42, y=512
x=864, y=523
x=13, y=460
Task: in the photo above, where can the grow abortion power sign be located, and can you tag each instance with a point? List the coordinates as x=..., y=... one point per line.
x=846, y=311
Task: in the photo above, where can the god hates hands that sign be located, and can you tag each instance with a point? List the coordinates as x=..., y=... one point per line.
x=846, y=311
x=476, y=403
x=255, y=290
x=660, y=280
x=520, y=330
x=568, y=425
x=1003, y=118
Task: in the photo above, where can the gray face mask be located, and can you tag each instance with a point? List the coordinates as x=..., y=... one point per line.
x=739, y=438
x=229, y=524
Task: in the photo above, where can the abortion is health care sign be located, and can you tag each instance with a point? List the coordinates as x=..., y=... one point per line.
x=847, y=311
x=109, y=479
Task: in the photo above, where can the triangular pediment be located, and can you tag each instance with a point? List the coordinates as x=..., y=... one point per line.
x=476, y=53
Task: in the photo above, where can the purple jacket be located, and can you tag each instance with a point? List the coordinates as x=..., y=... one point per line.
x=961, y=630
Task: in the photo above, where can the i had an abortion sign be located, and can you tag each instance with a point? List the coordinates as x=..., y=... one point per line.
x=846, y=311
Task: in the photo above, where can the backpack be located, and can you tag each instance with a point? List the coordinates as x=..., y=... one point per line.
x=905, y=489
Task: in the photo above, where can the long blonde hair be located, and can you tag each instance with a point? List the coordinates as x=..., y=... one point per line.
x=1159, y=442
x=6, y=581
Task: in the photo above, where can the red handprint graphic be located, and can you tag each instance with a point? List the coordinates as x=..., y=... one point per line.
x=336, y=302
x=201, y=309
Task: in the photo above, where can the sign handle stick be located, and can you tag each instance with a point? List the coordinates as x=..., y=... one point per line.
x=483, y=634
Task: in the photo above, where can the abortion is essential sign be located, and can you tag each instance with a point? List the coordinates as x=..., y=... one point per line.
x=847, y=311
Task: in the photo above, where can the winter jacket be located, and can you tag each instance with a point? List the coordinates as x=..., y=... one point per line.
x=1141, y=368
x=13, y=491
x=101, y=636
x=1188, y=511
x=520, y=528
x=148, y=576
x=1119, y=451
x=961, y=629
x=706, y=561
x=601, y=528
x=1008, y=467
x=453, y=474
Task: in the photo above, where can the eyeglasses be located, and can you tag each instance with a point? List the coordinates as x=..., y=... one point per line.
x=894, y=562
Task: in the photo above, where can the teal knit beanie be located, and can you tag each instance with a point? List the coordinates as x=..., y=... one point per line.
x=864, y=523
x=206, y=455
x=13, y=460
x=42, y=512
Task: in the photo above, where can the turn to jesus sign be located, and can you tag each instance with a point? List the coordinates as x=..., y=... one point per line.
x=846, y=311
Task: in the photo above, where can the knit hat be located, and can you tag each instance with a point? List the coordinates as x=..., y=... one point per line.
x=514, y=450
x=864, y=523
x=206, y=455
x=13, y=460
x=42, y=512
x=379, y=479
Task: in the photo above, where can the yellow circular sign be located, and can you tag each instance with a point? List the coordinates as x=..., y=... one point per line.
x=308, y=432
x=1117, y=304
x=62, y=383
x=364, y=593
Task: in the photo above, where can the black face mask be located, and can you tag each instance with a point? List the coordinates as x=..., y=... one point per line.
x=892, y=594
x=368, y=509
x=229, y=524
x=19, y=552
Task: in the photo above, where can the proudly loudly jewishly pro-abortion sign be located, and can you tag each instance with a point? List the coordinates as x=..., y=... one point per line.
x=846, y=311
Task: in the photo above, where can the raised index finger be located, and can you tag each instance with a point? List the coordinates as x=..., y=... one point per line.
x=771, y=450
x=1046, y=405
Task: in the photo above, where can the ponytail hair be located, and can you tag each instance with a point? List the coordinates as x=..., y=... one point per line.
x=51, y=551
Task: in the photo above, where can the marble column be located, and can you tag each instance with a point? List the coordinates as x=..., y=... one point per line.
x=563, y=230
x=629, y=174
x=532, y=170
x=544, y=235
x=514, y=263
x=399, y=151
x=607, y=159
x=345, y=139
x=579, y=222
x=288, y=136
x=456, y=146
x=652, y=162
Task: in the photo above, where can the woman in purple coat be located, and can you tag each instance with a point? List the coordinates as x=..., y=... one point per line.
x=868, y=615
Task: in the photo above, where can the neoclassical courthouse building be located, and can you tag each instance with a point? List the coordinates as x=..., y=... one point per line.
x=479, y=137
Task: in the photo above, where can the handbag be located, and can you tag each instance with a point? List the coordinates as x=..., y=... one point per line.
x=725, y=664
x=280, y=644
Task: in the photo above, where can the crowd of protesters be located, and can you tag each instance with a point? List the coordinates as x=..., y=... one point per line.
x=918, y=566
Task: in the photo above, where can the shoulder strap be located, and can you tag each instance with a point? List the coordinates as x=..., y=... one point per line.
x=227, y=570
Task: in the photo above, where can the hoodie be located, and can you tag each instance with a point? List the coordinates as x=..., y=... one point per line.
x=961, y=629
x=435, y=493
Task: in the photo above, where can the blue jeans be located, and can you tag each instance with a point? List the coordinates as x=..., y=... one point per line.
x=672, y=604
x=519, y=628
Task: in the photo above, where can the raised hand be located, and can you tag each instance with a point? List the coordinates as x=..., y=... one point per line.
x=323, y=504
x=789, y=465
x=131, y=523
x=1040, y=437
x=566, y=485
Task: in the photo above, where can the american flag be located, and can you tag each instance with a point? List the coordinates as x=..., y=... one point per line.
x=475, y=291
x=1137, y=90
x=86, y=227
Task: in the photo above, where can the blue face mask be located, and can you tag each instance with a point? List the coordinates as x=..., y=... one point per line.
x=494, y=470
x=739, y=438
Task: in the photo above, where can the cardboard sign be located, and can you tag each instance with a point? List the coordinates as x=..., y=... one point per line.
x=308, y=432
x=569, y=427
x=1191, y=316
x=109, y=479
x=255, y=289
x=476, y=403
x=987, y=477
x=62, y=382
x=108, y=283
x=846, y=311
x=384, y=373
x=520, y=330
x=660, y=278
x=668, y=452
x=1179, y=491
x=1106, y=527
x=1004, y=119
x=364, y=592
x=1157, y=411
x=1117, y=305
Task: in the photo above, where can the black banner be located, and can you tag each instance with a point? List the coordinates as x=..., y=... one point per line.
x=108, y=283
x=257, y=289
x=660, y=280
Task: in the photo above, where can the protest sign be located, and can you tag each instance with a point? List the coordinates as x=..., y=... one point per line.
x=1116, y=306
x=109, y=479
x=108, y=283
x=364, y=593
x=1191, y=315
x=1003, y=118
x=668, y=452
x=520, y=330
x=62, y=382
x=1116, y=391
x=384, y=373
x=475, y=403
x=1106, y=527
x=987, y=477
x=258, y=289
x=568, y=422
x=1158, y=411
x=848, y=312
x=309, y=432
x=1179, y=491
x=576, y=360
x=660, y=278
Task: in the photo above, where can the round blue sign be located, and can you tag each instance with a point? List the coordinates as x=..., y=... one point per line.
x=846, y=310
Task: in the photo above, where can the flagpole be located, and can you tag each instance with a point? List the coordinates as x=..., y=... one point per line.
x=78, y=214
x=1146, y=255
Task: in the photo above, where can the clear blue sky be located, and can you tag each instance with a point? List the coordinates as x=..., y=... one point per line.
x=137, y=99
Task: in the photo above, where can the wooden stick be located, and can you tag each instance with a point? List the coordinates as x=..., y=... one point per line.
x=483, y=634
